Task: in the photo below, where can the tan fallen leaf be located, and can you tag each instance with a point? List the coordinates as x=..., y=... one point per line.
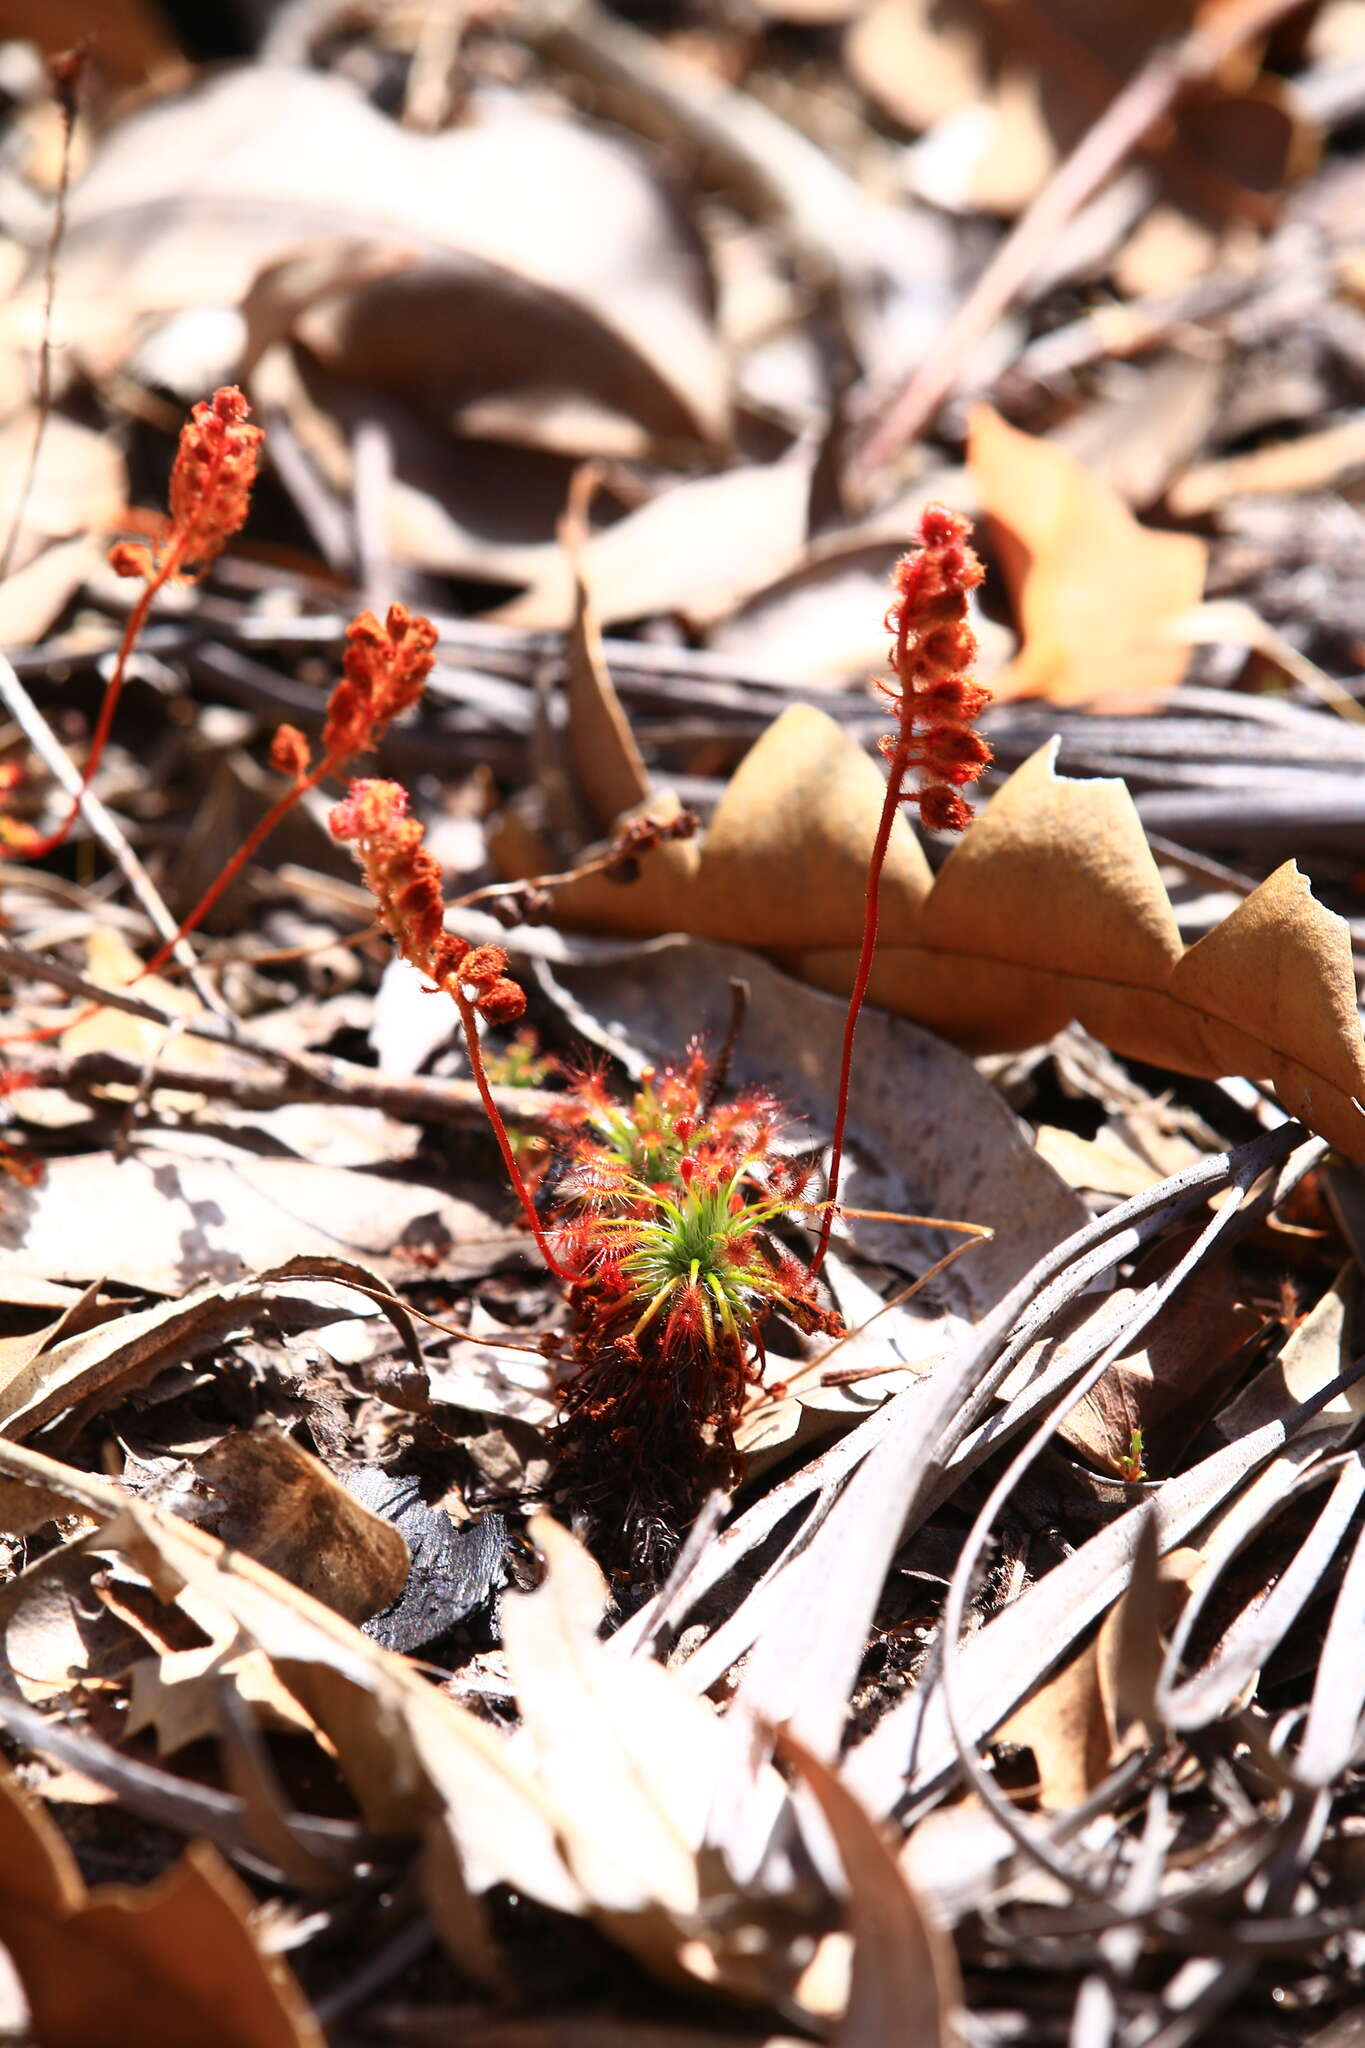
x=414, y=1759
x=1063, y=1726
x=80, y=1369
x=1091, y=586
x=905, y=1983
x=279, y=1504
x=1016, y=86
x=634, y=1761
x=184, y=1207
x=111, y=962
x=697, y=548
x=80, y=484
x=32, y=597
x=1177, y=1374
x=1050, y=909
x=177, y=1694
x=160, y=1965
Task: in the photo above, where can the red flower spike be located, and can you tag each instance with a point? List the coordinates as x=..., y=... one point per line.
x=384, y=672
x=215, y=468
x=935, y=703
x=502, y=1001
x=405, y=882
x=385, y=668
x=210, y=496
x=130, y=558
x=484, y=964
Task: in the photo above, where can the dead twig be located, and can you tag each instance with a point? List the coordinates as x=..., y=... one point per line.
x=304, y=1077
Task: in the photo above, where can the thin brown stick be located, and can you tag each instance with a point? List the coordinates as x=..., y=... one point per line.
x=1130, y=116
x=415, y=1100
x=303, y=1077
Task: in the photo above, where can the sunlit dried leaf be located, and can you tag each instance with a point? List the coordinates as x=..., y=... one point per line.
x=80, y=485
x=183, y=1207
x=698, y=549
x=905, y=1983
x=32, y=597
x=284, y=1508
x=1064, y=1728
x=1091, y=587
x=414, y=1759
x=86, y=1371
x=1051, y=908
x=634, y=1761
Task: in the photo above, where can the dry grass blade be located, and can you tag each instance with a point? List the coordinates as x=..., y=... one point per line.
x=1249, y=1640
x=1333, y=1727
x=814, y=1635
x=1026, y=1639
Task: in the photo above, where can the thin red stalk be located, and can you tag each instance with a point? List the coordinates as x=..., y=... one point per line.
x=871, y=919
x=469, y=1024
x=258, y=834
x=36, y=849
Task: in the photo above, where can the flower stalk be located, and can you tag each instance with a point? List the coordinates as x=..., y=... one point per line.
x=935, y=703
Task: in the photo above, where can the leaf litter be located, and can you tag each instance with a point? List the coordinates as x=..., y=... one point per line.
x=1006, y=1687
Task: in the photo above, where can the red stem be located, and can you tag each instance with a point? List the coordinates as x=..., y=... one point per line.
x=871, y=919
x=469, y=1024
x=35, y=849
x=260, y=832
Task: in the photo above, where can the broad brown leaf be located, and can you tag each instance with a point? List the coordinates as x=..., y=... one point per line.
x=1091, y=587
x=172, y=1962
x=1051, y=908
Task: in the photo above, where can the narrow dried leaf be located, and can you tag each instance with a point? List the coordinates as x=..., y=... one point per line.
x=905, y=1982
x=544, y=255
x=1003, y=1662
x=596, y=1722
x=607, y=763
